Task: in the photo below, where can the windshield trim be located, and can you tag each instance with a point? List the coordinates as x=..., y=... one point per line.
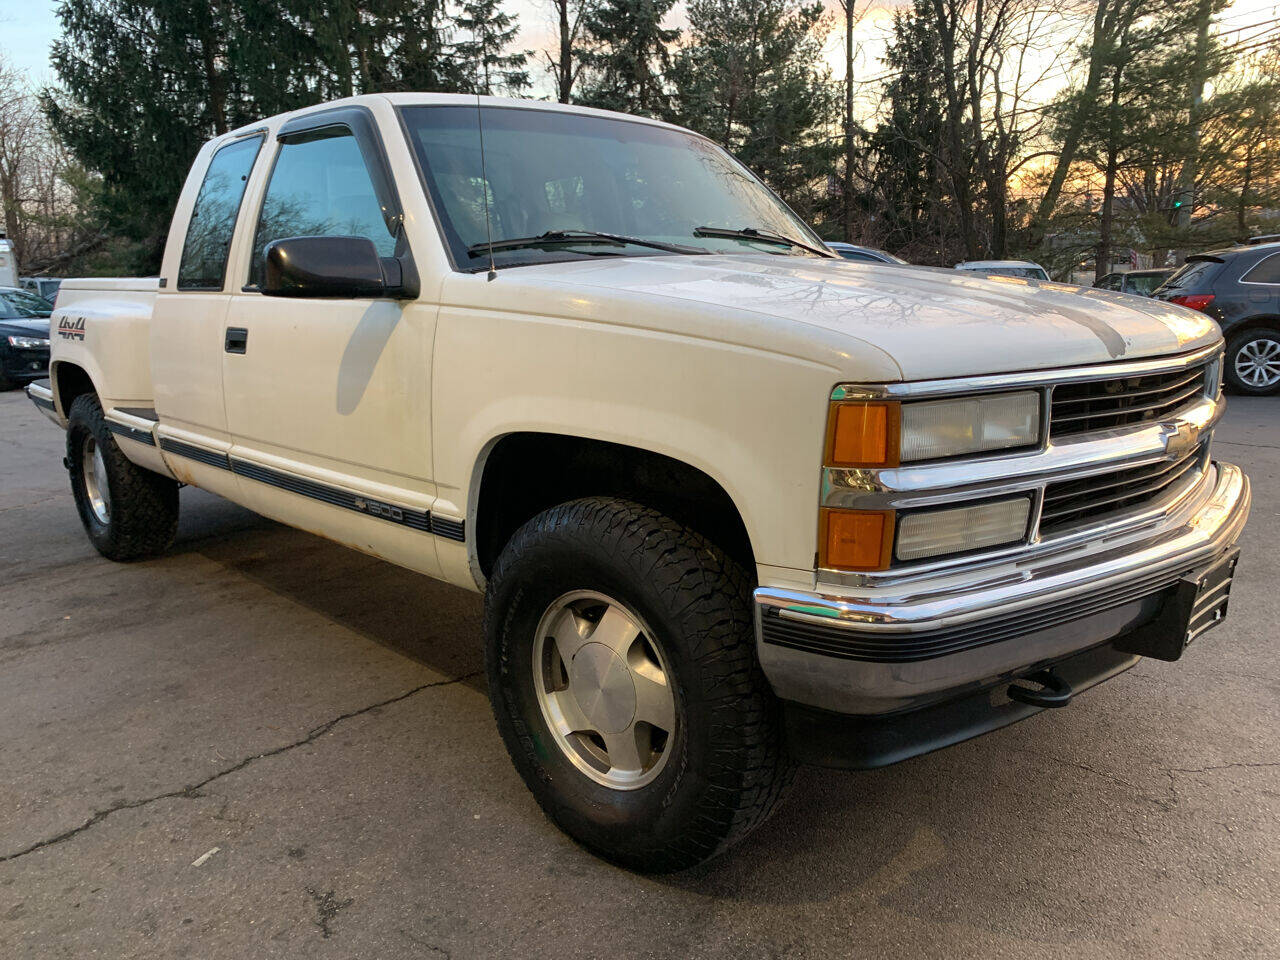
x=401, y=108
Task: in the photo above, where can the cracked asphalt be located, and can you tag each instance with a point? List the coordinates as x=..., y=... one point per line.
x=266, y=745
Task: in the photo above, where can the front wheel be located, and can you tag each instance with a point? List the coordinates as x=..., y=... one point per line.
x=128, y=512
x=624, y=680
x=1253, y=362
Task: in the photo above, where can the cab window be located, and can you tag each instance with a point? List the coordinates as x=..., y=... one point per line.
x=320, y=187
x=213, y=218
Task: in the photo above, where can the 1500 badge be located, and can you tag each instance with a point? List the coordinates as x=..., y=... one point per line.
x=71, y=328
x=379, y=509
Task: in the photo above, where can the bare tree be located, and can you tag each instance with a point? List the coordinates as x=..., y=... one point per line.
x=849, y=125
x=41, y=190
x=1112, y=19
x=564, y=62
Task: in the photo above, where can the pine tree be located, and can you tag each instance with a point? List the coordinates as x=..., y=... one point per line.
x=481, y=55
x=143, y=83
x=629, y=56
x=751, y=76
x=906, y=180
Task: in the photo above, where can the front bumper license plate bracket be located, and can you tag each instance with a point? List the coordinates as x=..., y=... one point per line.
x=1191, y=606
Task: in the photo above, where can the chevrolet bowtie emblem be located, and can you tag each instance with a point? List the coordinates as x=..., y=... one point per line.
x=1181, y=439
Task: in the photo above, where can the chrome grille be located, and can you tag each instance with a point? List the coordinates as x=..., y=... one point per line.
x=1069, y=502
x=1102, y=404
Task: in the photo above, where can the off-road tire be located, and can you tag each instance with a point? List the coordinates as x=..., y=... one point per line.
x=728, y=768
x=143, y=505
x=1237, y=343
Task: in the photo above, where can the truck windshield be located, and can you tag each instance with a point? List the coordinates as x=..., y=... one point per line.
x=552, y=173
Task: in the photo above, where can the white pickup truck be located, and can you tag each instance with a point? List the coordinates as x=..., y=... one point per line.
x=734, y=503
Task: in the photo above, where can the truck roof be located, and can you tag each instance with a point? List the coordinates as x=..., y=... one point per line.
x=453, y=99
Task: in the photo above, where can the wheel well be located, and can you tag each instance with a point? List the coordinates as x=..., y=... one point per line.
x=527, y=473
x=1253, y=323
x=70, y=382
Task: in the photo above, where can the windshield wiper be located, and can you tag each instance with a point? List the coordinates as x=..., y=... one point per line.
x=576, y=236
x=751, y=233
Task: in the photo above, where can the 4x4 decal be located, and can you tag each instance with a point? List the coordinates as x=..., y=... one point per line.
x=71, y=328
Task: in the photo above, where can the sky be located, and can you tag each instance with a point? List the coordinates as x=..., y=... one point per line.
x=29, y=27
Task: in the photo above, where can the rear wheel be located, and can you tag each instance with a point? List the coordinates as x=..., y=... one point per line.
x=128, y=512
x=624, y=680
x=1253, y=362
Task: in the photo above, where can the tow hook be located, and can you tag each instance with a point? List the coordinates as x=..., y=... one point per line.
x=1053, y=690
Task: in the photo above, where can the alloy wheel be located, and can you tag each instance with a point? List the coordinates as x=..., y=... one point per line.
x=1257, y=362
x=95, y=480
x=605, y=690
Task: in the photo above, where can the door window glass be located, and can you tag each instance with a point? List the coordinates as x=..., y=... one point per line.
x=320, y=187
x=213, y=219
x=1267, y=271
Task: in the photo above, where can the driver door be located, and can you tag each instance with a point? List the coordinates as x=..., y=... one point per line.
x=328, y=400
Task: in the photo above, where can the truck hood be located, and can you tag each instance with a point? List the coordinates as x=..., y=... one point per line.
x=932, y=323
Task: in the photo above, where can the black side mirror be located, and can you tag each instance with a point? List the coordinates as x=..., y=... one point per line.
x=346, y=267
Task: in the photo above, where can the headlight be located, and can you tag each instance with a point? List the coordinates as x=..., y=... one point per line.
x=931, y=533
x=887, y=433
x=28, y=343
x=949, y=428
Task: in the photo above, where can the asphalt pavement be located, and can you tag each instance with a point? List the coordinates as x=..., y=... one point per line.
x=267, y=745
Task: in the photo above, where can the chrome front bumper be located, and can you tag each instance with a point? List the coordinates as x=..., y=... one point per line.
x=892, y=649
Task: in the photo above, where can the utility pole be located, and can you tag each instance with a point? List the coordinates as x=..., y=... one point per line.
x=849, y=23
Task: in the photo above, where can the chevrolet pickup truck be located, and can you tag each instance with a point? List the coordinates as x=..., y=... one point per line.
x=734, y=503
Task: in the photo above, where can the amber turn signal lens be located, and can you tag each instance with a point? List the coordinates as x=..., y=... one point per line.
x=856, y=539
x=862, y=435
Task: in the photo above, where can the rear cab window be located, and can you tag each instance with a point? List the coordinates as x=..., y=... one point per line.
x=213, y=218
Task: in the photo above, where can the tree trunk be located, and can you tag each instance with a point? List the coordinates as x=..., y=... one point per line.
x=1102, y=264
x=1244, y=192
x=213, y=79
x=12, y=224
x=1195, y=98
x=957, y=170
x=1111, y=19
x=564, y=78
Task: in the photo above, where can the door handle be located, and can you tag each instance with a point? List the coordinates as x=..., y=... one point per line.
x=237, y=340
